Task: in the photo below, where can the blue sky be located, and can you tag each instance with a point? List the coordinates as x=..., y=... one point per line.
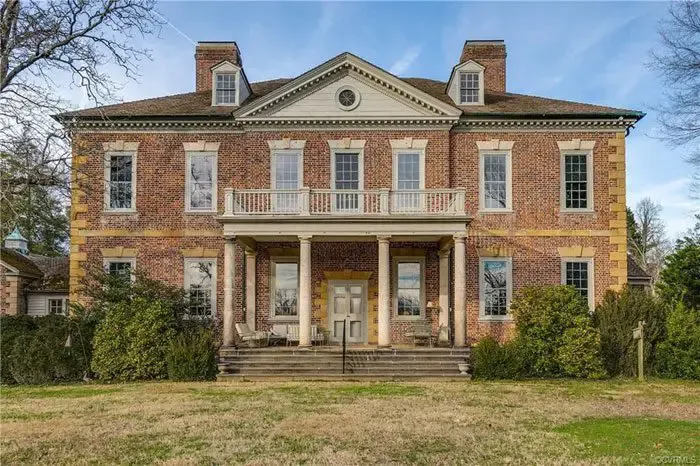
x=588, y=52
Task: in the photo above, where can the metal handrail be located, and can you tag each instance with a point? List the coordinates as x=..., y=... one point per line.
x=345, y=322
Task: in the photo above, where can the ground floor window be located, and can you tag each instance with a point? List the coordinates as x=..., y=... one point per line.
x=284, y=285
x=200, y=284
x=409, y=286
x=579, y=274
x=57, y=306
x=496, y=288
x=121, y=267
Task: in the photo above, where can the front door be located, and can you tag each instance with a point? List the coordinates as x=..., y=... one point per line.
x=347, y=308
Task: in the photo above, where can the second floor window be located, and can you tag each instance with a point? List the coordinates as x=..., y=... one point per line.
x=407, y=178
x=469, y=88
x=495, y=181
x=225, y=88
x=286, y=170
x=201, y=181
x=346, y=172
x=120, y=181
x=576, y=182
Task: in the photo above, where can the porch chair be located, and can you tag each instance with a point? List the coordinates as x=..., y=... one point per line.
x=421, y=331
x=250, y=337
x=317, y=336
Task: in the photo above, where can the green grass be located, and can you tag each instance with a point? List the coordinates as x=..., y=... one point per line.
x=636, y=440
x=60, y=391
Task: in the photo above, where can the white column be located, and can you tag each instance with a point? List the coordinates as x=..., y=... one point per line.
x=460, y=290
x=229, y=272
x=384, y=303
x=304, y=291
x=444, y=301
x=250, y=288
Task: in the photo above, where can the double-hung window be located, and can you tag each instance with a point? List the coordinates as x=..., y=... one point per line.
x=577, y=182
x=285, y=288
x=120, y=267
x=120, y=175
x=57, y=306
x=579, y=274
x=201, y=181
x=286, y=176
x=468, y=87
x=496, y=288
x=225, y=88
x=347, y=176
x=495, y=172
x=408, y=180
x=409, y=286
x=200, y=285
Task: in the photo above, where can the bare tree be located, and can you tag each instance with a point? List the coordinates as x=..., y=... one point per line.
x=45, y=44
x=650, y=245
x=678, y=62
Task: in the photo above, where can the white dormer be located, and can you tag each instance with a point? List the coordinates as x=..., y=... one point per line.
x=466, y=85
x=229, y=85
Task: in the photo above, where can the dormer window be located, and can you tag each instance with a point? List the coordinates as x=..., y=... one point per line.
x=466, y=85
x=469, y=88
x=225, y=89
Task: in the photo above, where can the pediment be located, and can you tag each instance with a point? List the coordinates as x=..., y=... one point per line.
x=377, y=95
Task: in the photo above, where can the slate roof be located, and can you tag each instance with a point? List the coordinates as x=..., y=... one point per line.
x=198, y=104
x=634, y=270
x=22, y=263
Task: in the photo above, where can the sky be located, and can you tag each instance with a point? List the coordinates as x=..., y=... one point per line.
x=581, y=51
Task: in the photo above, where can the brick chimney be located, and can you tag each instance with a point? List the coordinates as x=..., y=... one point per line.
x=209, y=54
x=492, y=55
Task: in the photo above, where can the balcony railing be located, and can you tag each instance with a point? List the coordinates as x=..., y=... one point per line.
x=314, y=202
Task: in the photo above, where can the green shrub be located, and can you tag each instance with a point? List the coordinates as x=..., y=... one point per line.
x=192, y=355
x=11, y=328
x=555, y=333
x=616, y=316
x=494, y=361
x=679, y=355
x=131, y=342
x=40, y=355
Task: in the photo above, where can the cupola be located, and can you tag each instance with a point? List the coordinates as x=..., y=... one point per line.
x=17, y=242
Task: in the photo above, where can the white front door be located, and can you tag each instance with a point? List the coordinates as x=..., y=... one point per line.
x=347, y=308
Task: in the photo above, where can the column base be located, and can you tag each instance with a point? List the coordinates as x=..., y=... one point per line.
x=384, y=347
x=304, y=347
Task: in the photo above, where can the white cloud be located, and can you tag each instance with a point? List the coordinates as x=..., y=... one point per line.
x=401, y=65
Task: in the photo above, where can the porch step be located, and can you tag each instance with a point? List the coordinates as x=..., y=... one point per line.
x=327, y=361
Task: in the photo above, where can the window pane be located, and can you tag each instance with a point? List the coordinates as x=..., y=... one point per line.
x=495, y=288
x=469, y=87
x=119, y=268
x=226, y=88
x=409, y=288
x=407, y=179
x=286, y=178
x=199, y=278
x=577, y=276
x=347, y=177
x=120, y=181
x=576, y=181
x=201, y=181
x=495, y=181
x=56, y=306
x=286, y=286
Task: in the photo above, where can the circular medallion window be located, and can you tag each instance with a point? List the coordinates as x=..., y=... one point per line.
x=347, y=98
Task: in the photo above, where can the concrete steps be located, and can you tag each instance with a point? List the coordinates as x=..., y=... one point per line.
x=326, y=362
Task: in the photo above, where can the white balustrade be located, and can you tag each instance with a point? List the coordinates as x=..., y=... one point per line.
x=307, y=202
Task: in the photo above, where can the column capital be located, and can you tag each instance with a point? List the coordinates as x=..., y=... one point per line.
x=305, y=238
x=250, y=252
x=459, y=237
x=230, y=238
x=443, y=253
x=383, y=238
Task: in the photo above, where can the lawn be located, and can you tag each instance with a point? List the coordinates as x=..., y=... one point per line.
x=352, y=423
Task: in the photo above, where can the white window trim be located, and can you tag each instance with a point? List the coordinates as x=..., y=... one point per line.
x=226, y=68
x=591, y=276
x=189, y=260
x=395, y=286
x=396, y=153
x=273, y=168
x=455, y=81
x=273, y=286
x=131, y=260
x=360, y=175
x=509, y=181
x=108, y=186
x=64, y=305
x=188, y=175
x=562, y=179
x=482, y=289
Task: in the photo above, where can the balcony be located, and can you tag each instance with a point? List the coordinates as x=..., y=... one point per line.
x=379, y=203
